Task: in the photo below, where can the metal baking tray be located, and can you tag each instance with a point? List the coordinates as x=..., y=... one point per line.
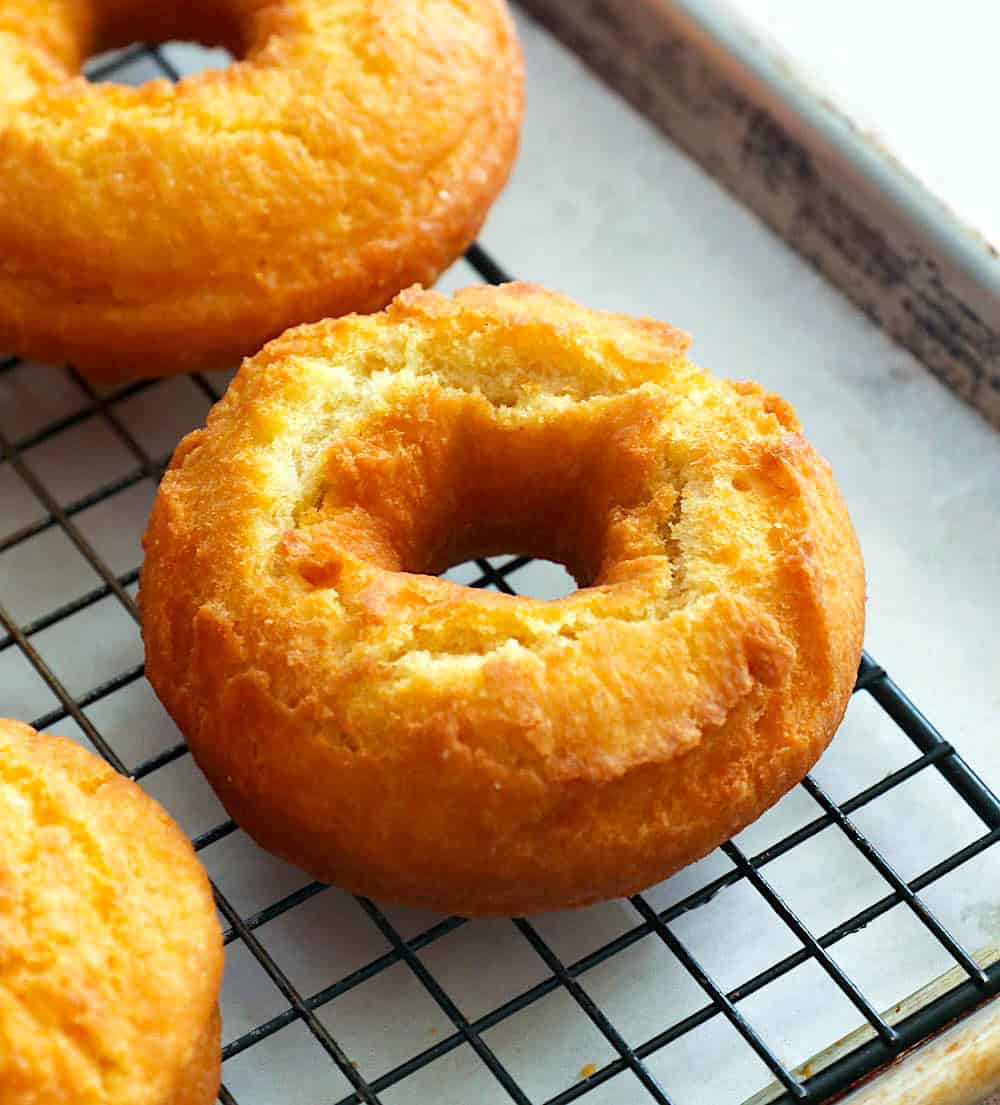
x=791, y=965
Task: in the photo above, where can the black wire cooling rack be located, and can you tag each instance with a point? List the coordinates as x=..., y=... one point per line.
x=888, y=1037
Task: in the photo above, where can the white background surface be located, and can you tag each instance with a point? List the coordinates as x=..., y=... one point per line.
x=602, y=207
x=920, y=75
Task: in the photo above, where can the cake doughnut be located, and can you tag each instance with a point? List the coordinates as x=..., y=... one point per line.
x=110, y=951
x=475, y=752
x=353, y=149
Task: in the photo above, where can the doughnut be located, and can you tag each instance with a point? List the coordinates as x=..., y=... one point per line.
x=110, y=952
x=470, y=751
x=352, y=150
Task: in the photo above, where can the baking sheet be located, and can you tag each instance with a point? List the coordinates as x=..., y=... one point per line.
x=621, y=220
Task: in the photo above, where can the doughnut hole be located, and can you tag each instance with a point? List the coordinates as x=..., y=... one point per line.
x=71, y=34
x=538, y=578
x=407, y=492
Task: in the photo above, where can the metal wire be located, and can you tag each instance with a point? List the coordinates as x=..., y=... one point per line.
x=889, y=1040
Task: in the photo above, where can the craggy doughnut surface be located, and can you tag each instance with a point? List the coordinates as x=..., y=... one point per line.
x=353, y=150
x=110, y=953
x=427, y=743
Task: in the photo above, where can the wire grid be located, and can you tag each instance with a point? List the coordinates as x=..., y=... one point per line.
x=888, y=1040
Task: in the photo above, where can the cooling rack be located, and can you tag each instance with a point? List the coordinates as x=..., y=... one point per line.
x=402, y=951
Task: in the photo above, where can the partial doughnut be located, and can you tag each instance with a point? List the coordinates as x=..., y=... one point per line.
x=110, y=951
x=353, y=149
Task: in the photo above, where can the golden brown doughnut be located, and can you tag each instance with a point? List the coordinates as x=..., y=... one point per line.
x=110, y=951
x=353, y=150
x=427, y=743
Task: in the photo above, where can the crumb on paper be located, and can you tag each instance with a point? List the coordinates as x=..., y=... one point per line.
x=588, y=1071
